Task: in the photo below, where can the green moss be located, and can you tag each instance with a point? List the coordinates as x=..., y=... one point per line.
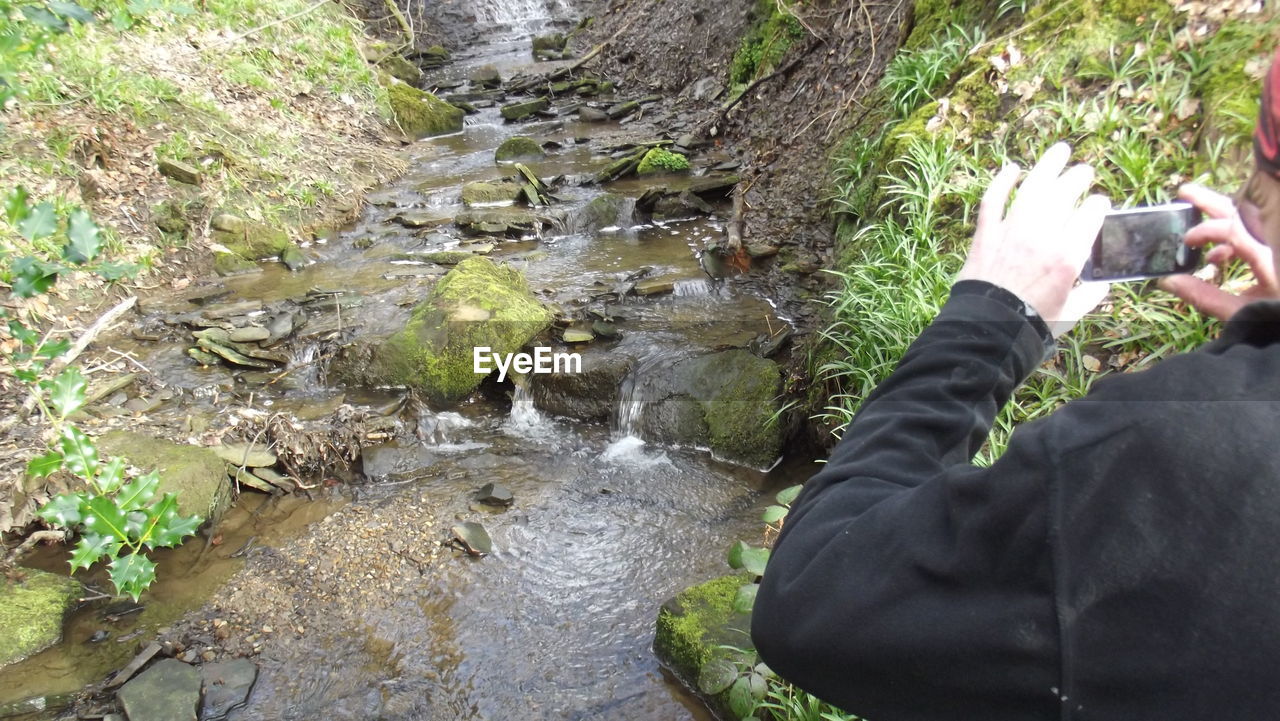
x=740, y=419
x=254, y=241
x=660, y=160
x=930, y=19
x=197, y=475
x=518, y=148
x=490, y=193
x=401, y=69
x=232, y=264
x=692, y=626
x=764, y=44
x=31, y=612
x=477, y=304
x=422, y=115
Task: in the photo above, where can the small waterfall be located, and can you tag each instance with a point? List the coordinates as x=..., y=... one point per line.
x=628, y=444
x=519, y=14
x=525, y=420
x=304, y=365
x=440, y=429
x=690, y=287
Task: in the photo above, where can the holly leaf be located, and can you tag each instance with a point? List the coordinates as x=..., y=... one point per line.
x=109, y=477
x=132, y=574
x=16, y=207
x=135, y=522
x=169, y=533
x=81, y=455
x=788, y=495
x=84, y=243
x=42, y=466
x=53, y=349
x=64, y=509
x=70, y=11
x=158, y=518
x=774, y=514
x=23, y=333
x=41, y=222
x=745, y=599
x=66, y=392
x=115, y=270
x=101, y=515
x=91, y=548
x=138, y=492
x=31, y=285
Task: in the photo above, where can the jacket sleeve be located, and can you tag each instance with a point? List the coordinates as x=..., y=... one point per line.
x=907, y=583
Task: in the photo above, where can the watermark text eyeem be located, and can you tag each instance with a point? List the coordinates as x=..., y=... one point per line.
x=484, y=361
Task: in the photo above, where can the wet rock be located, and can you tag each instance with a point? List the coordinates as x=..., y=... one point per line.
x=550, y=46
x=244, y=454
x=726, y=401
x=498, y=221
x=179, y=171
x=420, y=114
x=654, y=287
x=591, y=395
x=293, y=258
x=503, y=193
x=697, y=637
x=476, y=98
x=495, y=494
x=679, y=207
x=434, y=351
x=761, y=250
x=589, y=114
x=31, y=612
x=168, y=691
x=439, y=257
x=249, y=334
x=228, y=223
x=518, y=148
x=520, y=111
x=226, y=687
x=429, y=57
x=415, y=218
x=485, y=77
x=227, y=264
x=196, y=475
x=473, y=538
x=604, y=211
x=622, y=110
x=401, y=69
x=708, y=88
x=204, y=358
x=577, y=335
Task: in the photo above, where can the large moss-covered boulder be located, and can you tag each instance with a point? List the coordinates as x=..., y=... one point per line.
x=477, y=304
x=240, y=243
x=726, y=401
x=500, y=193
x=197, y=475
x=31, y=612
x=695, y=633
x=421, y=114
x=401, y=69
x=518, y=148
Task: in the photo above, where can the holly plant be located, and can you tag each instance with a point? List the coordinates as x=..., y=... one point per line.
x=117, y=515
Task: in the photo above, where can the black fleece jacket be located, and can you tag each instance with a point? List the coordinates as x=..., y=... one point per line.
x=1120, y=561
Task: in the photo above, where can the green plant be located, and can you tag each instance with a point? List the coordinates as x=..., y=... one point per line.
x=25, y=28
x=752, y=559
x=662, y=160
x=913, y=76
x=117, y=515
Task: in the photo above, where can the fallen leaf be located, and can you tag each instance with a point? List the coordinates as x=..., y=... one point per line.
x=1091, y=364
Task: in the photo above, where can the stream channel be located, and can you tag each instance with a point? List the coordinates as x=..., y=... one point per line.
x=351, y=606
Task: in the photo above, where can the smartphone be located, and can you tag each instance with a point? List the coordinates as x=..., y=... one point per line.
x=1141, y=243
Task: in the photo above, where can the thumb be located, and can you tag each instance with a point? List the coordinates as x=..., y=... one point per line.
x=1204, y=297
x=1082, y=299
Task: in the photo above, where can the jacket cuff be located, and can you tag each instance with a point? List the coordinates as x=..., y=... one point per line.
x=983, y=301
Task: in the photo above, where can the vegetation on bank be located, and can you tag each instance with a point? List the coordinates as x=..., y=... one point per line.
x=773, y=31
x=272, y=105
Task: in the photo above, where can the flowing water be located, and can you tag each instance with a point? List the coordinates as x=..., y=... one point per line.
x=557, y=622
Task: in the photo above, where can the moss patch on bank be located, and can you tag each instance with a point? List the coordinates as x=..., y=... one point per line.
x=31, y=612
x=773, y=31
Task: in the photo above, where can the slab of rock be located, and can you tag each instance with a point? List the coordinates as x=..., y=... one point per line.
x=401, y=69
x=654, y=287
x=242, y=454
x=478, y=193
x=226, y=687
x=485, y=77
x=698, y=632
x=473, y=538
x=179, y=171
x=197, y=475
x=591, y=395
x=31, y=612
x=419, y=218
x=588, y=114
x=168, y=691
x=520, y=111
x=495, y=494
x=518, y=148
x=249, y=334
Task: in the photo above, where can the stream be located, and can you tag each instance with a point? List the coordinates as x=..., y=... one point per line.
x=349, y=603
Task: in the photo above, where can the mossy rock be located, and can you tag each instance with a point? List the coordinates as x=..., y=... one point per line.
x=518, y=148
x=31, y=612
x=422, y=115
x=477, y=193
x=197, y=475
x=401, y=69
x=725, y=401
x=231, y=264
x=520, y=111
x=695, y=632
x=478, y=303
x=255, y=241
x=661, y=160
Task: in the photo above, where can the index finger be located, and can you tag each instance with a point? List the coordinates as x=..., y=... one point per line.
x=1213, y=203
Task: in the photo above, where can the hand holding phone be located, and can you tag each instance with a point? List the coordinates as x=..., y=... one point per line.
x=1141, y=243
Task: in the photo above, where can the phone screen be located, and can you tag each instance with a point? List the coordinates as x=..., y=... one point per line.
x=1144, y=243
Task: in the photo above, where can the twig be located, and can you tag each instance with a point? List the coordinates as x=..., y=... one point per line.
x=67, y=358
x=724, y=112
x=399, y=16
x=33, y=539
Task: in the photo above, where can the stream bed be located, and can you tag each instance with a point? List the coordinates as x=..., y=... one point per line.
x=351, y=604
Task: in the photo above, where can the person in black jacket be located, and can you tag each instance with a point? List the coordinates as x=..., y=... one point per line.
x=1119, y=561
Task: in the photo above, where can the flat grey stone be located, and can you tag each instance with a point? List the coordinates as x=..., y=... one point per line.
x=226, y=687
x=168, y=691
